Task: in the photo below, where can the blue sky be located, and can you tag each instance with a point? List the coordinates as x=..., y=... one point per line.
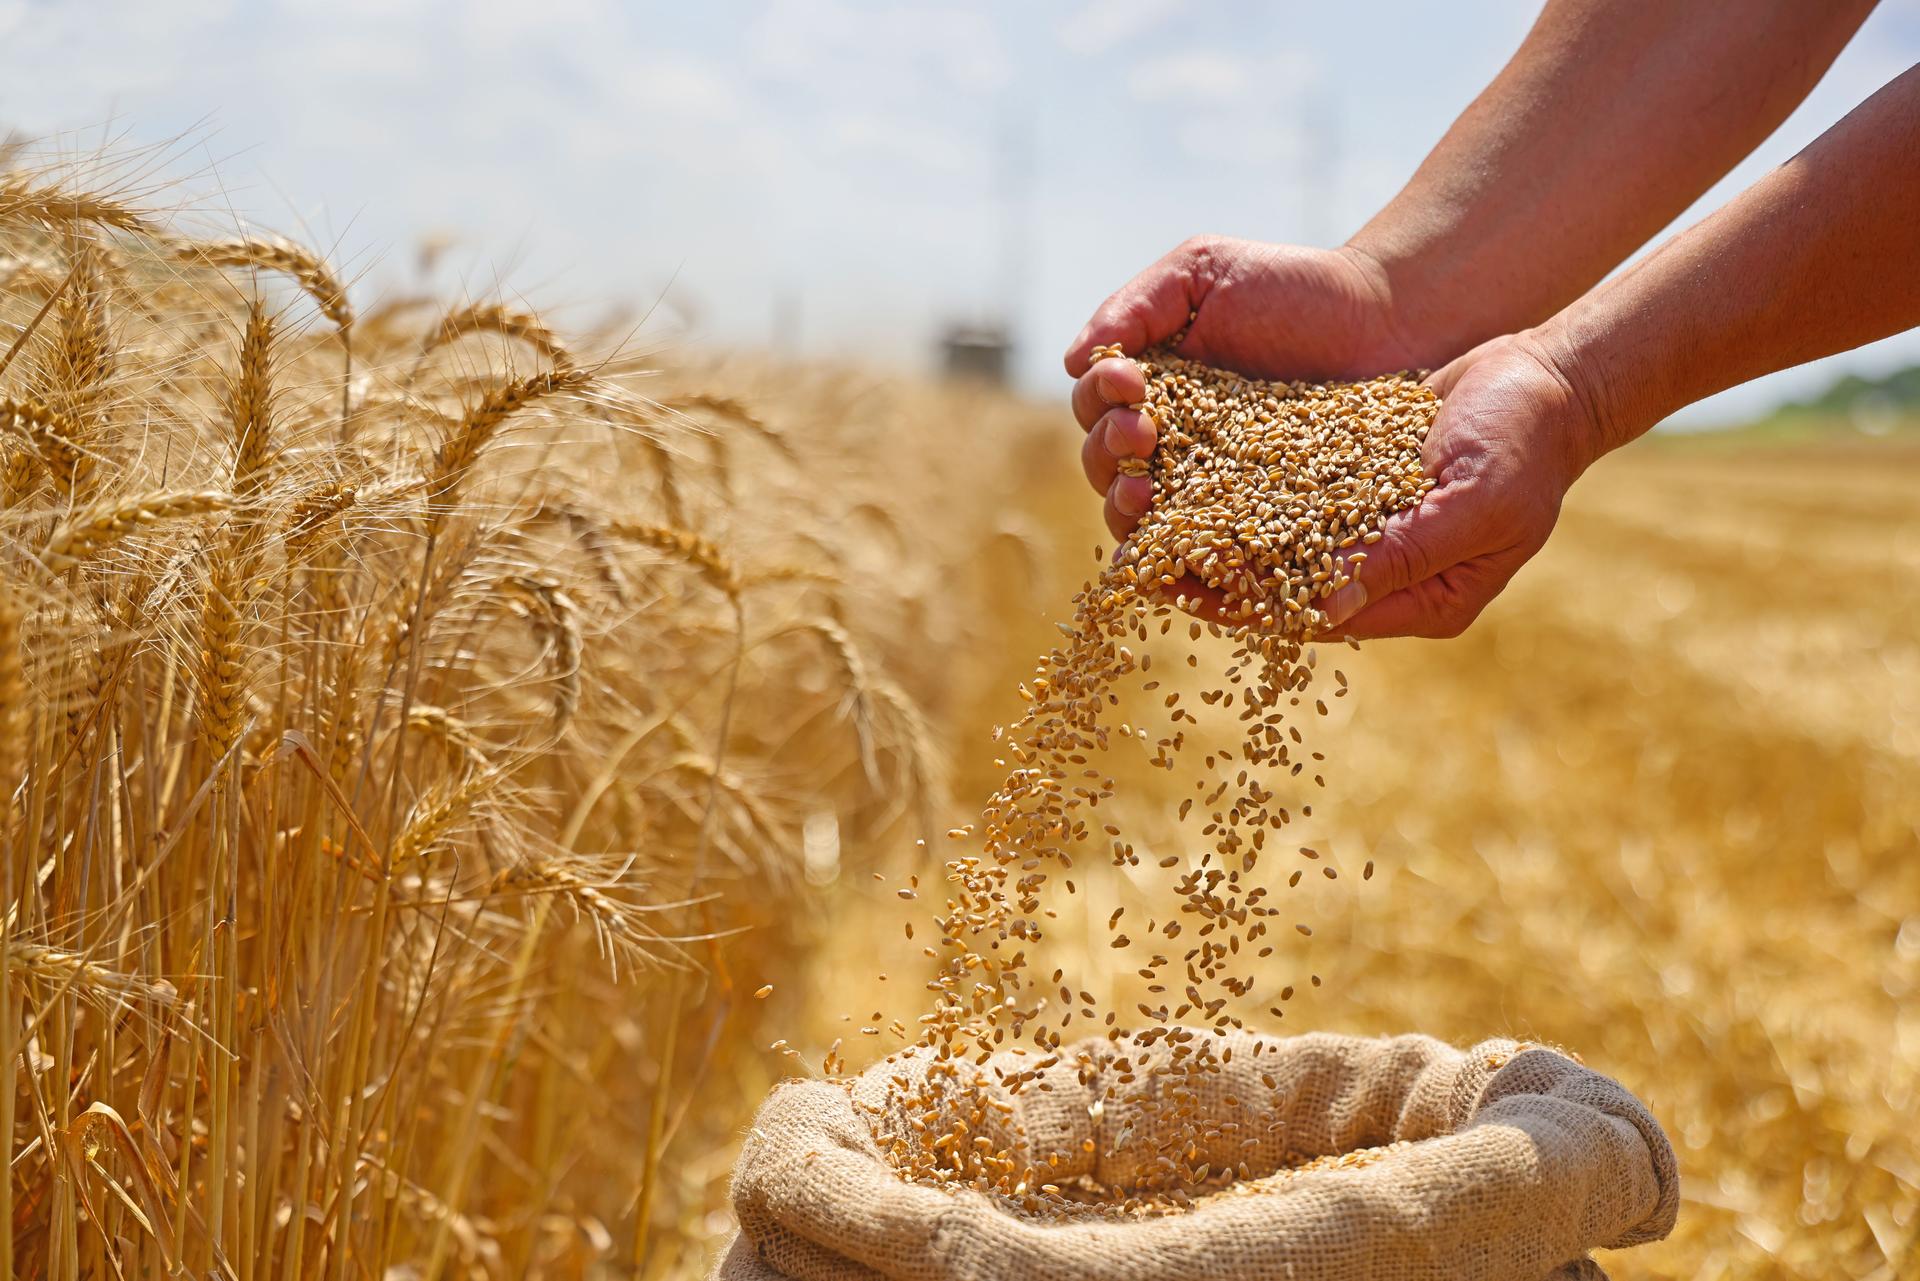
x=828, y=175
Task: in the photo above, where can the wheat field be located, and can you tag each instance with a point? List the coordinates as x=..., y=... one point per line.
x=425, y=733
x=1661, y=805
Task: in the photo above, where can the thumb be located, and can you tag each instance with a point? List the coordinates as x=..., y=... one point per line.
x=1413, y=546
x=1442, y=379
x=1149, y=309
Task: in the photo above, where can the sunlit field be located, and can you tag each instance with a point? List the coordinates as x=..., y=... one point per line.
x=426, y=735
x=1658, y=806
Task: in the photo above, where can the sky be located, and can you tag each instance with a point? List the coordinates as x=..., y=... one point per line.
x=827, y=178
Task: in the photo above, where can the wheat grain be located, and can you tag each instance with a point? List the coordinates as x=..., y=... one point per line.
x=1258, y=487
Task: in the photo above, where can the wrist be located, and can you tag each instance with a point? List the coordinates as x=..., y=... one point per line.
x=1424, y=319
x=1616, y=400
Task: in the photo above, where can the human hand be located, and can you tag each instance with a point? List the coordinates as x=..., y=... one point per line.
x=1512, y=435
x=1267, y=311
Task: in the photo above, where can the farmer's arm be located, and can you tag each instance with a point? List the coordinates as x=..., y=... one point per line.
x=1613, y=116
x=1821, y=255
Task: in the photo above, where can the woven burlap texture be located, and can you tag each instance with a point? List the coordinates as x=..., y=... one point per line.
x=1519, y=1161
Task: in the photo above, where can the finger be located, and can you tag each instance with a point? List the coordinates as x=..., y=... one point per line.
x=1128, y=433
x=1099, y=465
x=1450, y=527
x=1150, y=308
x=1412, y=611
x=1107, y=384
x=1131, y=495
x=1436, y=608
x=1442, y=379
x=1119, y=524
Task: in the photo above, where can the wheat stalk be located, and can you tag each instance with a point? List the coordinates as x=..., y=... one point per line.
x=200, y=774
x=14, y=711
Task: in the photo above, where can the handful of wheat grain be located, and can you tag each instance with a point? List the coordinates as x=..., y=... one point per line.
x=1260, y=489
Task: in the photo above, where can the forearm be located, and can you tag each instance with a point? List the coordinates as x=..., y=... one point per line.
x=1821, y=255
x=1612, y=118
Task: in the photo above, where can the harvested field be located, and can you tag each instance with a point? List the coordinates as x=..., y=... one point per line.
x=1660, y=805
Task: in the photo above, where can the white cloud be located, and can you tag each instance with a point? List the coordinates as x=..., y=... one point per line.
x=1101, y=26
x=1189, y=77
x=1249, y=142
x=867, y=139
x=877, y=55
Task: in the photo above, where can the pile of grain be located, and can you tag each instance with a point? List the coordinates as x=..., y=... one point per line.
x=1260, y=489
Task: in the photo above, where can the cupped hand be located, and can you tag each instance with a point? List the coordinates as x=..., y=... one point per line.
x=1512, y=435
x=1267, y=311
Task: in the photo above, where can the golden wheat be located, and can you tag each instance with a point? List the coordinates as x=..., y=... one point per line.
x=298, y=798
x=1629, y=810
x=271, y=253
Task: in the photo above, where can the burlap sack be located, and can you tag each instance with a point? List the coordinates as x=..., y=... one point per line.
x=1519, y=1161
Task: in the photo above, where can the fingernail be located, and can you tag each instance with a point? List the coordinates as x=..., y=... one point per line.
x=1345, y=603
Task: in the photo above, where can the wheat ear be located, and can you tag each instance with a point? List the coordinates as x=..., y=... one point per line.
x=250, y=406
x=51, y=435
x=479, y=424
x=21, y=197
x=83, y=353
x=87, y=536
x=700, y=552
x=272, y=253
x=496, y=318
x=556, y=617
